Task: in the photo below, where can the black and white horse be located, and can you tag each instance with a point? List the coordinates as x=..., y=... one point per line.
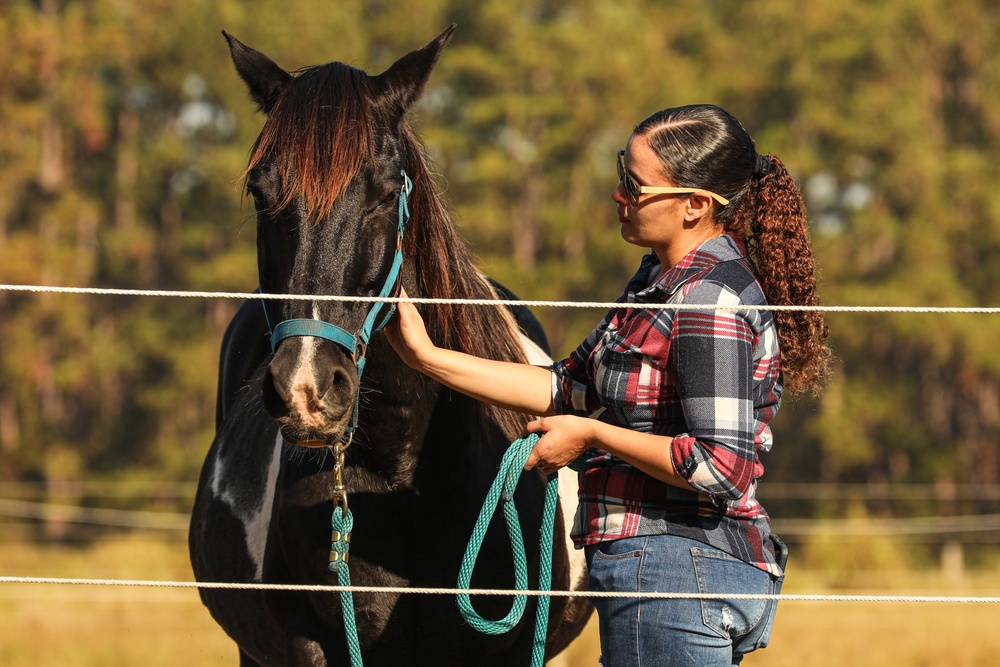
x=326, y=179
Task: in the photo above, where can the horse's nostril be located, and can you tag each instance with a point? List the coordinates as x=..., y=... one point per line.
x=274, y=402
x=341, y=388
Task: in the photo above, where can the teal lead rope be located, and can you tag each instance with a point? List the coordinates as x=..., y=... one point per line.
x=502, y=492
x=342, y=523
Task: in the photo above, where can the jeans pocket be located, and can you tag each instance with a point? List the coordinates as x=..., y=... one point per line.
x=719, y=573
x=614, y=567
x=763, y=634
x=622, y=549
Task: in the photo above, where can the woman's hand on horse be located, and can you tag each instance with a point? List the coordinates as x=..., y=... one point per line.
x=511, y=385
x=407, y=333
x=564, y=438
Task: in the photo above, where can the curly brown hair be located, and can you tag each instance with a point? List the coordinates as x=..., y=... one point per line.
x=771, y=219
x=703, y=146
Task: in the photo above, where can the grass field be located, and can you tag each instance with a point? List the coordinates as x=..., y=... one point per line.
x=43, y=625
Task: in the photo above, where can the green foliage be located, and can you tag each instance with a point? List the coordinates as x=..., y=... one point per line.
x=124, y=130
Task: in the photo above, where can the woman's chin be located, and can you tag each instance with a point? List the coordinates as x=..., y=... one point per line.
x=628, y=233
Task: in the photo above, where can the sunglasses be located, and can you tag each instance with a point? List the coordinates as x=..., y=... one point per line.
x=633, y=189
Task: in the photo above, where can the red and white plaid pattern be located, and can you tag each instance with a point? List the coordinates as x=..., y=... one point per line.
x=709, y=378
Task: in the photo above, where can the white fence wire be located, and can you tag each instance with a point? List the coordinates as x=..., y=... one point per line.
x=490, y=302
x=177, y=521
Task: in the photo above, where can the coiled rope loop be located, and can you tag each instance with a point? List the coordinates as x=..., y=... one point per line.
x=502, y=493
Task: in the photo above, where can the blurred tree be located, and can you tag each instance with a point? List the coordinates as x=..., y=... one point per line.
x=124, y=130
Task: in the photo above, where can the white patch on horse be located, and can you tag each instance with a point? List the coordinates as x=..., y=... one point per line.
x=536, y=355
x=304, y=383
x=569, y=489
x=569, y=486
x=255, y=515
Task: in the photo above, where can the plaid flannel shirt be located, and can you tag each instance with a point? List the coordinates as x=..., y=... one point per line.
x=709, y=378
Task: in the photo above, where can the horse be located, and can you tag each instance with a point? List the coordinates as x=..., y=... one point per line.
x=334, y=167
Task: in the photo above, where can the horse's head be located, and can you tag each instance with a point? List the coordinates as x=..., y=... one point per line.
x=327, y=176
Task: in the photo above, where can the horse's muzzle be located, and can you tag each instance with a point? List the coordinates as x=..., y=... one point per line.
x=309, y=388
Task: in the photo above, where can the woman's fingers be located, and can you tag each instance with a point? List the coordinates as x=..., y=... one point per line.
x=564, y=438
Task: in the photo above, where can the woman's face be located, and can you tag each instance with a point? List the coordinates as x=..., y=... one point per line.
x=656, y=220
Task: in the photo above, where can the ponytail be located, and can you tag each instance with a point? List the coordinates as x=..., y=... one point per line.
x=771, y=219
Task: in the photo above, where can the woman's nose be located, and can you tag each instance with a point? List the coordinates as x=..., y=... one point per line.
x=618, y=194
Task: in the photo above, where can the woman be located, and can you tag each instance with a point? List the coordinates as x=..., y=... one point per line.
x=684, y=396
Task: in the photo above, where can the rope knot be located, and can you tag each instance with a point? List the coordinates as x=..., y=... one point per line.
x=340, y=539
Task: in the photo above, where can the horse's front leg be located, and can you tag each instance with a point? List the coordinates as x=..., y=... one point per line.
x=305, y=652
x=311, y=642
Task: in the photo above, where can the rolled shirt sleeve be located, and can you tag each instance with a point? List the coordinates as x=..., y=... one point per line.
x=713, y=366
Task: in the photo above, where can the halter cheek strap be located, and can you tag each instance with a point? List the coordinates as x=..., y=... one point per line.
x=356, y=344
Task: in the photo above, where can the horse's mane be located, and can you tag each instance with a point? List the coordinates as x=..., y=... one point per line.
x=321, y=130
x=445, y=268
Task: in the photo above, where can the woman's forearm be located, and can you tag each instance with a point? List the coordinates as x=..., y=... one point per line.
x=566, y=437
x=515, y=386
x=645, y=451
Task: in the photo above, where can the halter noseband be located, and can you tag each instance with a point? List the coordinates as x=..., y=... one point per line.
x=356, y=345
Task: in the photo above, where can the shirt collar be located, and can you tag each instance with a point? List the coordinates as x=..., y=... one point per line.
x=713, y=251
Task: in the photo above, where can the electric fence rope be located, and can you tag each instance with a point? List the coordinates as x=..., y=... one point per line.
x=178, y=521
x=44, y=289
x=923, y=599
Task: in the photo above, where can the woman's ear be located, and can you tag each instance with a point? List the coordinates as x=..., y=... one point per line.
x=699, y=207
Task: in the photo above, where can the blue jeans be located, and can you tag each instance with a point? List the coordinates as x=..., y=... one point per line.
x=645, y=632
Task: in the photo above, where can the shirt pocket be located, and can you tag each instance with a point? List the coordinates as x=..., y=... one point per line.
x=628, y=379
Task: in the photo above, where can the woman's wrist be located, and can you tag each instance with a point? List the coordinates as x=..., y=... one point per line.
x=429, y=359
x=591, y=435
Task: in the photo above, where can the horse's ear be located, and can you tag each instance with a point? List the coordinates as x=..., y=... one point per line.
x=402, y=84
x=264, y=79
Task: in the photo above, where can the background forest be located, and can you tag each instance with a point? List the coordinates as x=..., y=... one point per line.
x=124, y=130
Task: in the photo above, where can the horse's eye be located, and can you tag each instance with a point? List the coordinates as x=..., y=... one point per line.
x=389, y=199
x=259, y=200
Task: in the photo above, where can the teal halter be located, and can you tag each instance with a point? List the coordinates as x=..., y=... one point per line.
x=356, y=345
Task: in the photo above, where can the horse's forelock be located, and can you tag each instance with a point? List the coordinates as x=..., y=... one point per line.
x=319, y=133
